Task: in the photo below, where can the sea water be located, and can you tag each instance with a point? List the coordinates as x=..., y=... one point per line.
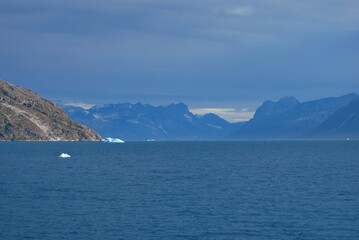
x=180, y=190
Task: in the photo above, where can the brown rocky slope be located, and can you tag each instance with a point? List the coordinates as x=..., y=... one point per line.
x=25, y=116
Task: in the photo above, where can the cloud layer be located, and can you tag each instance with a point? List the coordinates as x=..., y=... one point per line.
x=230, y=114
x=204, y=53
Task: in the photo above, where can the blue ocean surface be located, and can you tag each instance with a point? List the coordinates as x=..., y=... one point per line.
x=180, y=190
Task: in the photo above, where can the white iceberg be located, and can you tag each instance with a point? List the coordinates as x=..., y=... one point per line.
x=64, y=155
x=112, y=140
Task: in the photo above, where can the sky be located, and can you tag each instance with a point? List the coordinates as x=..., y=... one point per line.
x=214, y=55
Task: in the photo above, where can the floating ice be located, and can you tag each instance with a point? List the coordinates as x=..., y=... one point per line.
x=113, y=140
x=64, y=155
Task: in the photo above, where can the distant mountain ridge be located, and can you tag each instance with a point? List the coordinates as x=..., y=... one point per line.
x=25, y=116
x=290, y=119
x=143, y=121
x=287, y=118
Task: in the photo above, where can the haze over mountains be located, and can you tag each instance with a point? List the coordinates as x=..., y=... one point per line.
x=26, y=116
x=142, y=121
x=333, y=117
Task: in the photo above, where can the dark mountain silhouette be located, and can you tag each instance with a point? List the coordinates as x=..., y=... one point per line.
x=290, y=119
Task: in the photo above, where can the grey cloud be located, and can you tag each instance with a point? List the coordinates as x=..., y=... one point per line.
x=181, y=50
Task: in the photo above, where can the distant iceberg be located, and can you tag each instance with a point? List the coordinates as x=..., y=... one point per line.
x=112, y=140
x=151, y=140
x=64, y=155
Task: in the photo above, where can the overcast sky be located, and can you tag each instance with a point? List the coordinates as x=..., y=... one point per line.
x=227, y=55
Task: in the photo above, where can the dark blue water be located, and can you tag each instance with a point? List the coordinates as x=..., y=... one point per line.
x=180, y=190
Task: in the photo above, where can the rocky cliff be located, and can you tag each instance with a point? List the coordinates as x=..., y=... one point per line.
x=25, y=116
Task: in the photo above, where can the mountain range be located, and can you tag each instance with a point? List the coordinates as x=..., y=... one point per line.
x=290, y=119
x=144, y=122
x=25, y=116
x=287, y=118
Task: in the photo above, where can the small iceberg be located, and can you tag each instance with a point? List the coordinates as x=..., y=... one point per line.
x=151, y=140
x=64, y=155
x=112, y=140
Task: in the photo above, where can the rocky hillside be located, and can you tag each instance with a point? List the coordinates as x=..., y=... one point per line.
x=25, y=116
